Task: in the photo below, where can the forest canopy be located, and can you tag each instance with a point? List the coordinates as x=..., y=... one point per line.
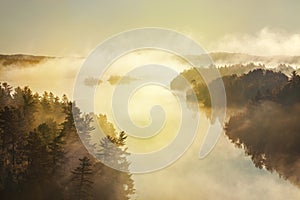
x=42, y=156
x=269, y=129
x=263, y=113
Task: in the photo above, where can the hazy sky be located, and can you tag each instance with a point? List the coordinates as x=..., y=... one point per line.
x=75, y=27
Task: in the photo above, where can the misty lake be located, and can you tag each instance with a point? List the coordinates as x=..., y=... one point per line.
x=226, y=173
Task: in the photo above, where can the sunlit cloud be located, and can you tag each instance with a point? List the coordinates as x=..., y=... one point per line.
x=265, y=42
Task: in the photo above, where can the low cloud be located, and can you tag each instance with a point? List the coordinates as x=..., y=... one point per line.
x=56, y=75
x=266, y=42
x=224, y=174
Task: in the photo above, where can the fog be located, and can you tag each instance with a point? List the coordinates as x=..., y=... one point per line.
x=55, y=75
x=226, y=173
x=266, y=42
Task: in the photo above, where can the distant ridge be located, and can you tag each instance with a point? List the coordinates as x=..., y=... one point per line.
x=22, y=59
x=226, y=58
x=218, y=58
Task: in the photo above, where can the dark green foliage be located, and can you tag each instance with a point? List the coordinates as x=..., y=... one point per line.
x=267, y=127
x=193, y=75
x=113, y=151
x=240, y=90
x=38, y=139
x=269, y=130
x=31, y=146
x=290, y=93
x=242, y=82
x=82, y=179
x=5, y=95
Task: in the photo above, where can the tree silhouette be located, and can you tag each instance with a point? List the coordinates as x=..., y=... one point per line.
x=39, y=143
x=240, y=90
x=82, y=179
x=268, y=130
x=57, y=151
x=289, y=93
x=5, y=95
x=114, y=153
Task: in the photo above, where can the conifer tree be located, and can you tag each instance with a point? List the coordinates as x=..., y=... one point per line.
x=82, y=179
x=114, y=153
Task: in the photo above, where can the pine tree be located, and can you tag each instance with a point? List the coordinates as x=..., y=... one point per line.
x=36, y=155
x=82, y=179
x=84, y=129
x=25, y=102
x=106, y=126
x=45, y=102
x=33, y=144
x=10, y=123
x=68, y=126
x=114, y=153
x=5, y=95
x=57, y=154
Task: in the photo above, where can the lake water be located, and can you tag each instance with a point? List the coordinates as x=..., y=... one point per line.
x=226, y=173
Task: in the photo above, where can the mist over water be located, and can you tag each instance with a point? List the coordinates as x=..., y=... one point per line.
x=226, y=173
x=56, y=75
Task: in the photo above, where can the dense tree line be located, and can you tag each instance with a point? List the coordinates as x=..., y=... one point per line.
x=269, y=130
x=42, y=157
x=242, y=82
x=240, y=90
x=265, y=121
x=193, y=76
